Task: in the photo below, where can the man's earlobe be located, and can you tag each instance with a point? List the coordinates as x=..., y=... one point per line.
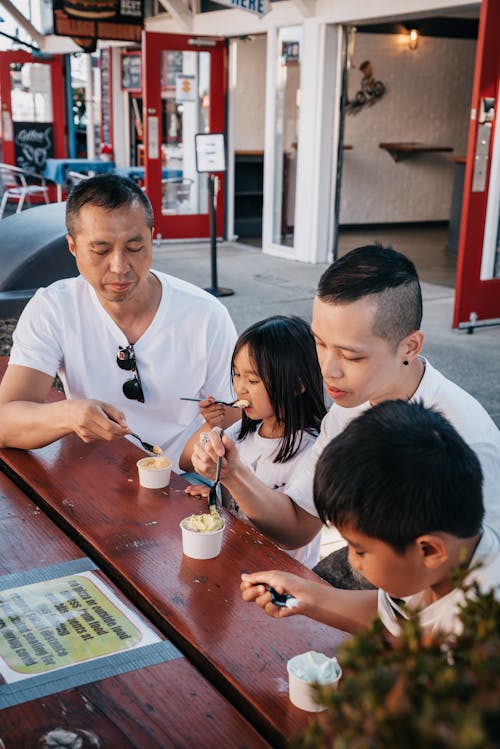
x=71, y=244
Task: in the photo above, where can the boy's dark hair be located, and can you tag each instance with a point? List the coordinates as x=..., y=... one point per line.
x=387, y=275
x=398, y=471
x=283, y=352
x=108, y=191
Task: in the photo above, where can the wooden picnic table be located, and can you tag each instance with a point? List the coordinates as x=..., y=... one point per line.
x=92, y=492
x=163, y=701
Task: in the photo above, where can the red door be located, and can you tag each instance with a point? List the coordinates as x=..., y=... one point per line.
x=184, y=86
x=477, y=295
x=33, y=117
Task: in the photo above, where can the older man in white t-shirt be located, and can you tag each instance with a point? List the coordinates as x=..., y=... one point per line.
x=126, y=341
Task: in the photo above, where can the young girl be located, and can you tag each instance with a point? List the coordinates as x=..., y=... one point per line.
x=275, y=369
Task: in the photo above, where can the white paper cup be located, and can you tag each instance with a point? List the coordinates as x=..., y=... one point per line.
x=301, y=692
x=201, y=545
x=153, y=478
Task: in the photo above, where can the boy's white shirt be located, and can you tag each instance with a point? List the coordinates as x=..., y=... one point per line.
x=442, y=614
x=257, y=453
x=463, y=411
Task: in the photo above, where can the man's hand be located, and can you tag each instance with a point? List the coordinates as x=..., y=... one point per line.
x=95, y=420
x=206, y=451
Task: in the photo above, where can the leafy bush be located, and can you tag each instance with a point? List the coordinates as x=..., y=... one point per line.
x=418, y=693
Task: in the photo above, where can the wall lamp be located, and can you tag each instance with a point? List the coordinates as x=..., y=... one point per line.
x=413, y=37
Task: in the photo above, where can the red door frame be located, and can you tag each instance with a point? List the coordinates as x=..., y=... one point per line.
x=58, y=109
x=472, y=295
x=153, y=44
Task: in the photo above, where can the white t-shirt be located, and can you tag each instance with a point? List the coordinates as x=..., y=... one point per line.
x=462, y=410
x=442, y=615
x=186, y=351
x=258, y=453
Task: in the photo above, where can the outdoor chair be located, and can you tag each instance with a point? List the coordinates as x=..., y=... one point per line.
x=74, y=178
x=18, y=187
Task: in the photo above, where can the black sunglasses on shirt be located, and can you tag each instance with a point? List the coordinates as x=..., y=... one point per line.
x=132, y=389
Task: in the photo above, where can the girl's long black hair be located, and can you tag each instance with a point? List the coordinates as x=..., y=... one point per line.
x=283, y=352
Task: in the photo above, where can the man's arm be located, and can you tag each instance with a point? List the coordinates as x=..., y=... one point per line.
x=272, y=512
x=27, y=421
x=349, y=610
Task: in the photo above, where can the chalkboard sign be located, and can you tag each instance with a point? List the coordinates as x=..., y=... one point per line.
x=34, y=144
x=131, y=71
x=105, y=97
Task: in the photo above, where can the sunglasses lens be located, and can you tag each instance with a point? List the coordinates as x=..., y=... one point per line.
x=133, y=391
x=125, y=359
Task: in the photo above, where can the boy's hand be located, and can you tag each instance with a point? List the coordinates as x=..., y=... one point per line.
x=197, y=490
x=253, y=587
x=213, y=413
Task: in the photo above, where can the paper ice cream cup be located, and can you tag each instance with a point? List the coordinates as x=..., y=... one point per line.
x=201, y=545
x=154, y=473
x=301, y=677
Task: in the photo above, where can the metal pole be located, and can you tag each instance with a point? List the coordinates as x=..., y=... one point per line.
x=214, y=289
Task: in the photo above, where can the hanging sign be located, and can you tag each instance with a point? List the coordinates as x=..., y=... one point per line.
x=210, y=152
x=99, y=19
x=260, y=7
x=185, y=88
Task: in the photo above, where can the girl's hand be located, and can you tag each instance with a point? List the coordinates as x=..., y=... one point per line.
x=213, y=413
x=197, y=490
x=253, y=588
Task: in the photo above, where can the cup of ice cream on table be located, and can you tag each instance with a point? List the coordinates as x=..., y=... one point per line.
x=154, y=472
x=306, y=669
x=202, y=535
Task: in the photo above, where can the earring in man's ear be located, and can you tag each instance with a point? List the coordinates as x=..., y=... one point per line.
x=406, y=362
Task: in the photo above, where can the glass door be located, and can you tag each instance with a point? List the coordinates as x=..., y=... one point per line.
x=477, y=296
x=184, y=94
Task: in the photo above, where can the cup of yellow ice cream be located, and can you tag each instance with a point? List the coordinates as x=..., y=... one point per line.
x=202, y=535
x=154, y=473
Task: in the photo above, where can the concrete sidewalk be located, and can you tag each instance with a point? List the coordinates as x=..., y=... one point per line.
x=265, y=285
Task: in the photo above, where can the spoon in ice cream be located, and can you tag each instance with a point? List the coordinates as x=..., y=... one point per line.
x=156, y=449
x=240, y=403
x=212, y=497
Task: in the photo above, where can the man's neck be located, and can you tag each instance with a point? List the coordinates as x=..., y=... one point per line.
x=135, y=315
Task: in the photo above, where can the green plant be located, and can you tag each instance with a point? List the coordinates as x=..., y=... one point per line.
x=418, y=693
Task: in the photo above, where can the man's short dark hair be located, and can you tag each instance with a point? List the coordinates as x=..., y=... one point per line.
x=108, y=191
x=398, y=471
x=390, y=277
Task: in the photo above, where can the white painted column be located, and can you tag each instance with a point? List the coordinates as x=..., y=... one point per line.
x=320, y=90
x=318, y=138
x=89, y=106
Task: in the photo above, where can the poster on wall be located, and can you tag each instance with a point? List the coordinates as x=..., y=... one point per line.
x=122, y=20
x=34, y=144
x=131, y=71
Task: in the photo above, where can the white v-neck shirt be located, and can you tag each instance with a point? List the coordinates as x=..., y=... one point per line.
x=185, y=351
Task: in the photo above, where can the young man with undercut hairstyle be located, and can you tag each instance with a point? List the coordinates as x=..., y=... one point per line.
x=366, y=324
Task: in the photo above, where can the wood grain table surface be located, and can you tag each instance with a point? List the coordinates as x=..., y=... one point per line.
x=168, y=704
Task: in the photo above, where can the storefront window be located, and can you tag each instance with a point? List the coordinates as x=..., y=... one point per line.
x=185, y=83
x=287, y=108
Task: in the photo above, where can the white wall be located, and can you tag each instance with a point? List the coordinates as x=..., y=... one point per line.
x=427, y=100
x=249, y=96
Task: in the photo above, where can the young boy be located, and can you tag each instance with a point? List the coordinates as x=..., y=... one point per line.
x=405, y=491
